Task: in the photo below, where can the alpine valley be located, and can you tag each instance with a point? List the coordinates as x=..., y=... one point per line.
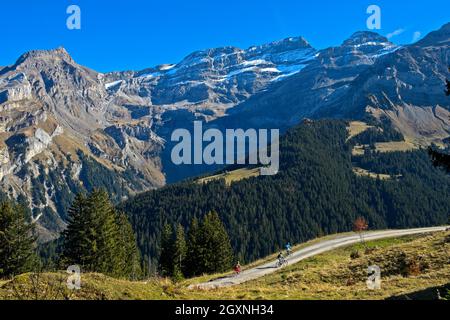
x=65, y=128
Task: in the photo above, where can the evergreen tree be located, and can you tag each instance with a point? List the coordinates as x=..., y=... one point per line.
x=99, y=239
x=79, y=238
x=17, y=242
x=194, y=250
x=208, y=249
x=128, y=252
x=179, y=253
x=217, y=252
x=165, y=260
x=106, y=230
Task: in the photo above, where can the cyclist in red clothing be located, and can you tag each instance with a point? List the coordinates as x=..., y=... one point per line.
x=237, y=268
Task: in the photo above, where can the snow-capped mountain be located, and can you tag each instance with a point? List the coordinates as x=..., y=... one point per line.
x=323, y=82
x=211, y=81
x=366, y=75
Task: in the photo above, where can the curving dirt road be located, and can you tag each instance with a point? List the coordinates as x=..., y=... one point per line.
x=307, y=252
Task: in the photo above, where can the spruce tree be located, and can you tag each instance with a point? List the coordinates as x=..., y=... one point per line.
x=217, y=252
x=194, y=250
x=17, y=242
x=106, y=230
x=179, y=253
x=99, y=239
x=127, y=248
x=79, y=237
x=166, y=255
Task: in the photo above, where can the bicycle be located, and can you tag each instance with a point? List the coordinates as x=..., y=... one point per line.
x=282, y=263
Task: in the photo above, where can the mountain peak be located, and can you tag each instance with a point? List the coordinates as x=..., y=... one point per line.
x=364, y=37
x=436, y=38
x=58, y=53
x=287, y=44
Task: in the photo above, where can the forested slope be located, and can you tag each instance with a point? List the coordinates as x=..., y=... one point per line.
x=316, y=192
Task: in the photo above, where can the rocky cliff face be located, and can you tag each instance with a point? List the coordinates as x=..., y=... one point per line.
x=65, y=128
x=55, y=114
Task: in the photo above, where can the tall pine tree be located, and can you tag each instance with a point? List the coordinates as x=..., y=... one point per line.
x=207, y=250
x=127, y=249
x=167, y=244
x=194, y=250
x=179, y=253
x=99, y=239
x=216, y=246
x=17, y=242
x=80, y=245
x=107, y=233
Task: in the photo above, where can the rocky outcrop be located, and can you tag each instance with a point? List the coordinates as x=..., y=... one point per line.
x=39, y=142
x=36, y=144
x=15, y=94
x=5, y=162
x=15, y=89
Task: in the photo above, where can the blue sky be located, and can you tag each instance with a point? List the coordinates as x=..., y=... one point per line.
x=135, y=34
